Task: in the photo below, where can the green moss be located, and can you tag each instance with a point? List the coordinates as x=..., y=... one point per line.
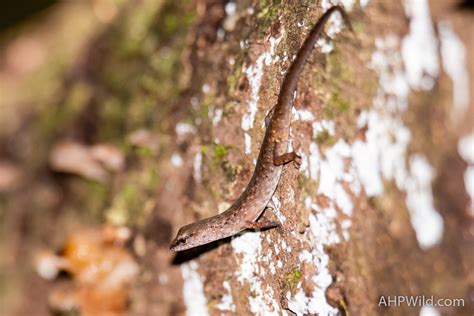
x=119, y=212
x=62, y=112
x=307, y=185
x=129, y=193
x=151, y=180
x=90, y=196
x=174, y=18
x=269, y=11
x=358, y=26
x=325, y=139
x=204, y=149
x=160, y=78
x=78, y=97
x=216, y=155
x=141, y=73
x=292, y=278
x=136, y=27
x=113, y=111
x=143, y=151
x=202, y=111
x=338, y=70
x=171, y=23
x=336, y=105
x=220, y=151
x=233, y=79
x=127, y=207
x=230, y=172
x=340, y=104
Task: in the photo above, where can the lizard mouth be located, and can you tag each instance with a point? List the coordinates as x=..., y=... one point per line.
x=173, y=245
x=179, y=243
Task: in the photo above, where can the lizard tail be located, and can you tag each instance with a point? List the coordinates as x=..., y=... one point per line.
x=294, y=72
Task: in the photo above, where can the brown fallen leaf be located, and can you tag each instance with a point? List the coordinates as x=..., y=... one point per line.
x=109, y=155
x=101, y=270
x=76, y=158
x=92, y=162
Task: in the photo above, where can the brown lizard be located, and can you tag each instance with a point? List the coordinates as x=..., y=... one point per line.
x=245, y=211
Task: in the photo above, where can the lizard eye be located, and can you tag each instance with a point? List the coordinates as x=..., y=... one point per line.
x=181, y=240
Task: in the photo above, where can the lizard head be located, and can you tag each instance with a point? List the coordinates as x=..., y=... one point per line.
x=190, y=236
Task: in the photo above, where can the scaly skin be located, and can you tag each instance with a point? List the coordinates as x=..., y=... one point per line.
x=245, y=211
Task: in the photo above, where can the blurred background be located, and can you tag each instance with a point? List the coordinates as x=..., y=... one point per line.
x=121, y=121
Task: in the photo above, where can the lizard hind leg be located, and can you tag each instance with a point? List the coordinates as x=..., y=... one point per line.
x=269, y=116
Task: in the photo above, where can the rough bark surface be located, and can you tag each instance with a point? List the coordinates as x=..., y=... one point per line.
x=380, y=206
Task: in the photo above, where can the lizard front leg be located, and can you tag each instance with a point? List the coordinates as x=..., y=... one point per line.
x=281, y=159
x=262, y=224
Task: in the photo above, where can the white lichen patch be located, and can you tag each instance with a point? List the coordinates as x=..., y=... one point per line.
x=276, y=205
x=426, y=221
x=249, y=247
x=193, y=290
x=254, y=75
x=348, y=169
x=332, y=168
x=184, y=128
x=322, y=233
x=364, y=3
x=453, y=56
x=466, y=148
x=247, y=143
x=336, y=23
x=466, y=151
x=324, y=45
x=366, y=162
x=227, y=302
x=302, y=114
x=206, y=88
x=429, y=311
x=197, y=167
x=383, y=155
x=420, y=47
x=230, y=8
x=216, y=116
x=324, y=126
x=176, y=160
x=345, y=225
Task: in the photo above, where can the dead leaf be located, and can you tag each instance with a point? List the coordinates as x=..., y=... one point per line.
x=109, y=155
x=75, y=158
x=91, y=162
x=101, y=270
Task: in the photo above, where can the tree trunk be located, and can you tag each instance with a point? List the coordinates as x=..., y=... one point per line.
x=380, y=211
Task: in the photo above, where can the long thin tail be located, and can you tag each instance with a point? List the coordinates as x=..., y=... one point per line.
x=294, y=72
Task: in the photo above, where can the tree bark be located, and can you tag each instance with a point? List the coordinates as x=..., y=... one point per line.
x=382, y=118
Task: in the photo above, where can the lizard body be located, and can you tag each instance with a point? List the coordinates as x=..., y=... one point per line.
x=245, y=211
